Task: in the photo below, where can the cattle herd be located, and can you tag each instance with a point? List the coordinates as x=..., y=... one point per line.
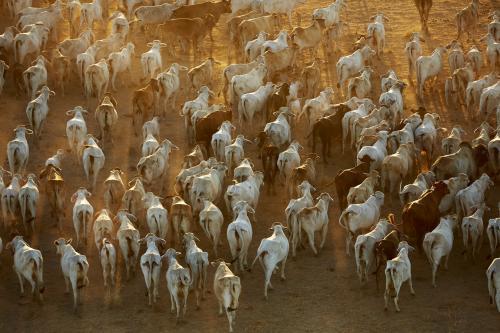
x=437, y=180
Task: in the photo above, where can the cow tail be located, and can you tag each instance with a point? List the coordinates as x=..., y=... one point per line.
x=343, y=219
x=428, y=246
x=491, y=285
x=80, y=280
x=339, y=74
x=37, y=278
x=129, y=246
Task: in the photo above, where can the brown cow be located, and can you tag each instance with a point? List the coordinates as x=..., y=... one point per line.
x=54, y=189
x=422, y=215
x=423, y=7
x=269, y=156
x=143, y=102
x=188, y=30
x=306, y=171
x=216, y=9
x=277, y=100
x=208, y=125
x=345, y=179
x=387, y=249
x=328, y=128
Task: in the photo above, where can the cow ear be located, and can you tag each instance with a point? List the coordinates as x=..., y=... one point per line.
x=69, y=241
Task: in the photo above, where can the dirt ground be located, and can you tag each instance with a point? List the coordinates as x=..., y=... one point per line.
x=321, y=294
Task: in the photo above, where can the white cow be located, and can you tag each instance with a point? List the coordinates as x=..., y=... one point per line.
x=438, y=244
x=272, y=251
x=472, y=230
x=357, y=217
x=28, y=265
x=151, y=265
x=197, y=261
x=82, y=213
x=128, y=238
x=18, y=150
x=28, y=200
x=364, y=248
x=493, y=276
x=211, y=220
x=156, y=215
x=227, y=289
x=398, y=271
x=239, y=234
x=74, y=267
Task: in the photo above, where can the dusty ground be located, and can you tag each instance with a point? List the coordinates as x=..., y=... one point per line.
x=321, y=294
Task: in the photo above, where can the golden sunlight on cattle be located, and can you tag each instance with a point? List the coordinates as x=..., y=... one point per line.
x=250, y=165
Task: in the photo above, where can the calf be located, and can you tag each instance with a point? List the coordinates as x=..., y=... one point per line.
x=28, y=265
x=438, y=244
x=74, y=267
x=271, y=252
x=397, y=271
x=151, y=265
x=201, y=75
x=270, y=165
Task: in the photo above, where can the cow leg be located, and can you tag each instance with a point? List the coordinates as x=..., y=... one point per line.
x=324, y=231
x=283, y=277
x=310, y=238
x=20, y=278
